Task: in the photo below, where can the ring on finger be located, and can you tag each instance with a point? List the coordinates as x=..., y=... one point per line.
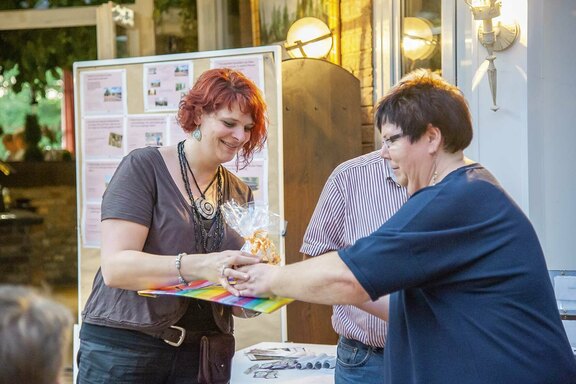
x=223, y=270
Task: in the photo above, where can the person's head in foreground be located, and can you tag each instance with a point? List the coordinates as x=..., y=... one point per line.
x=34, y=335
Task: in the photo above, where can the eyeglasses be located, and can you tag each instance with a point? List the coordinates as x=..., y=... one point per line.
x=389, y=141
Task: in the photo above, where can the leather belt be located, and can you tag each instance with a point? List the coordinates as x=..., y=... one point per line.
x=175, y=335
x=359, y=344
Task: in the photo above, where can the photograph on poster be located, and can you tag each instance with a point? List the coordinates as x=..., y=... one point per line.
x=115, y=140
x=154, y=139
x=161, y=102
x=112, y=94
x=182, y=70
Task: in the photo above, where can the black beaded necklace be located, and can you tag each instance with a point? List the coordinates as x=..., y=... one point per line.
x=201, y=233
x=205, y=207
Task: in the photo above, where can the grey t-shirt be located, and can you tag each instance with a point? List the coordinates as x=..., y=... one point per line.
x=142, y=191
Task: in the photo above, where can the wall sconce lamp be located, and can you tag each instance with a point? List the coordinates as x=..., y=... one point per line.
x=418, y=39
x=123, y=16
x=308, y=37
x=494, y=38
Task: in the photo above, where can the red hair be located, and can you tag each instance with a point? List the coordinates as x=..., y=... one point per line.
x=219, y=88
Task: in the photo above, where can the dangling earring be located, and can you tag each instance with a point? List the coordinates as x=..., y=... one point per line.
x=197, y=134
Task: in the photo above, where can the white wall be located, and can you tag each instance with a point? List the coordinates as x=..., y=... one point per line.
x=552, y=128
x=500, y=138
x=529, y=143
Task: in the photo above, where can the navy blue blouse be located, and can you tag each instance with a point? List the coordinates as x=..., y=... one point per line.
x=472, y=301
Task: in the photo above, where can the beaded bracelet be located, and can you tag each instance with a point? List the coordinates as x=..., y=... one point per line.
x=181, y=279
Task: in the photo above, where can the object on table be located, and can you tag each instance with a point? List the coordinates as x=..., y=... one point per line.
x=276, y=353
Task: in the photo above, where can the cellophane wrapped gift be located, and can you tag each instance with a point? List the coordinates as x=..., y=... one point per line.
x=255, y=224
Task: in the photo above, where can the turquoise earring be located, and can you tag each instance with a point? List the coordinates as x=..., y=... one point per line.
x=197, y=134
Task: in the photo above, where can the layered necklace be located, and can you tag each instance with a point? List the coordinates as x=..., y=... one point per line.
x=203, y=209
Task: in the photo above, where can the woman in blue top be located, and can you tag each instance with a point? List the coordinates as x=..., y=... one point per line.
x=471, y=301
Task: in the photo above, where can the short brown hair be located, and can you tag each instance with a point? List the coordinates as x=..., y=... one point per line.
x=222, y=87
x=423, y=98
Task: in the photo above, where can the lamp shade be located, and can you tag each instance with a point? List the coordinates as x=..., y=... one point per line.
x=308, y=37
x=484, y=9
x=418, y=40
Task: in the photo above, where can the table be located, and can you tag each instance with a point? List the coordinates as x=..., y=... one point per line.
x=241, y=363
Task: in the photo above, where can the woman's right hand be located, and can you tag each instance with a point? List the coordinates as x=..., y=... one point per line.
x=126, y=266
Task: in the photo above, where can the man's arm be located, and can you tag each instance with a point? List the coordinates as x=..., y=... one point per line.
x=378, y=308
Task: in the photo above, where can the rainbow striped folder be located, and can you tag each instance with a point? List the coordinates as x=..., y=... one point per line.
x=205, y=290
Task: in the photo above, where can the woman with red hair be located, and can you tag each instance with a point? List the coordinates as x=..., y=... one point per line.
x=161, y=226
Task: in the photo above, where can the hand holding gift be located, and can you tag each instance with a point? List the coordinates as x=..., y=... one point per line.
x=255, y=224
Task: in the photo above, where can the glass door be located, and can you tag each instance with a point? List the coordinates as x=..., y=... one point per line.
x=421, y=36
x=412, y=34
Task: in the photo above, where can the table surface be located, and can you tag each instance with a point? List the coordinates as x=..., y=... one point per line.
x=241, y=363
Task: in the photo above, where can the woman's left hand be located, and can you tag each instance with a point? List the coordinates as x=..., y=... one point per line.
x=226, y=265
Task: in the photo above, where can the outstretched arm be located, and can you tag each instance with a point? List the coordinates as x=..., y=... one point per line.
x=324, y=279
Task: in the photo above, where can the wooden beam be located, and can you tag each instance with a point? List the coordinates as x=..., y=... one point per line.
x=48, y=18
x=255, y=19
x=144, y=35
x=105, y=32
x=207, y=25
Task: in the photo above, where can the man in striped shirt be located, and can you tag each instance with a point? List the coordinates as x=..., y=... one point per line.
x=359, y=196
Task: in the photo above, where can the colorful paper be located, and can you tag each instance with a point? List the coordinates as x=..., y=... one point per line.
x=205, y=290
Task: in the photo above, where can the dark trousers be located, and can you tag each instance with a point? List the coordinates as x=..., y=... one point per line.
x=130, y=357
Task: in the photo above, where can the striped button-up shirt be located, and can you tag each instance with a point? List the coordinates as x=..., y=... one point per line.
x=359, y=196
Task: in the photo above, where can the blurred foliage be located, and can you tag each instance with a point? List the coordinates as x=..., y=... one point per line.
x=37, y=51
x=32, y=62
x=16, y=105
